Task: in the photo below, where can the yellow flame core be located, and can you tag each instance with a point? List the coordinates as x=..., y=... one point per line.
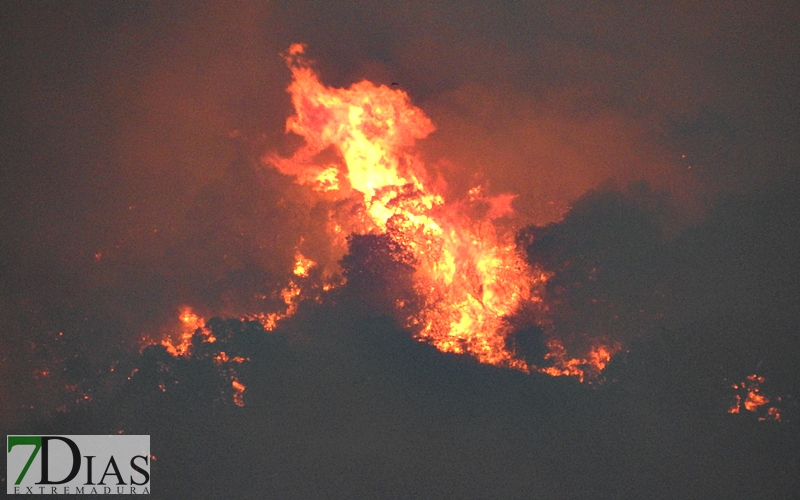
x=302, y=265
x=469, y=276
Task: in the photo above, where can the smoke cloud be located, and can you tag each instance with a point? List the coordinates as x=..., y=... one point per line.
x=654, y=149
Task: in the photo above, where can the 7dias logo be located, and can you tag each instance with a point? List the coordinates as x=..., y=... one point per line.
x=68, y=465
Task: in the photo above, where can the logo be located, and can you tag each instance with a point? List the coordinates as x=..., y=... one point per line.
x=68, y=465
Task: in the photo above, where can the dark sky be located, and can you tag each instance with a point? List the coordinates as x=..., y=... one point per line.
x=660, y=141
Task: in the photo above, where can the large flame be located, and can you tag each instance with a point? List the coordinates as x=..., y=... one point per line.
x=469, y=275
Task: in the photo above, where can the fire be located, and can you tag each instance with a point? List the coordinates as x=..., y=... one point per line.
x=468, y=272
x=290, y=295
x=750, y=398
x=190, y=323
x=301, y=287
x=222, y=358
x=191, y=326
x=469, y=277
x=372, y=127
x=238, y=394
x=302, y=265
x=583, y=368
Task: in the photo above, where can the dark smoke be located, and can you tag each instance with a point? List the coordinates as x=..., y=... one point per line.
x=340, y=401
x=731, y=281
x=607, y=258
x=130, y=185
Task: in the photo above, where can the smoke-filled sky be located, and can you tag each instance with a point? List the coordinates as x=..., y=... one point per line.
x=660, y=142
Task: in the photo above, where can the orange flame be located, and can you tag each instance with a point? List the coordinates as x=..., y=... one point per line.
x=468, y=273
x=295, y=291
x=372, y=127
x=754, y=399
x=238, y=392
x=302, y=265
x=290, y=294
x=583, y=368
x=190, y=323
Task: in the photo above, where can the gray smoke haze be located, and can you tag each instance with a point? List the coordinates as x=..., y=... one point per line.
x=130, y=184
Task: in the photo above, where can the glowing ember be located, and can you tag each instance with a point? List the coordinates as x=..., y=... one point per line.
x=191, y=330
x=190, y=323
x=290, y=294
x=238, y=394
x=772, y=414
x=736, y=407
x=583, y=368
x=750, y=398
x=222, y=358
